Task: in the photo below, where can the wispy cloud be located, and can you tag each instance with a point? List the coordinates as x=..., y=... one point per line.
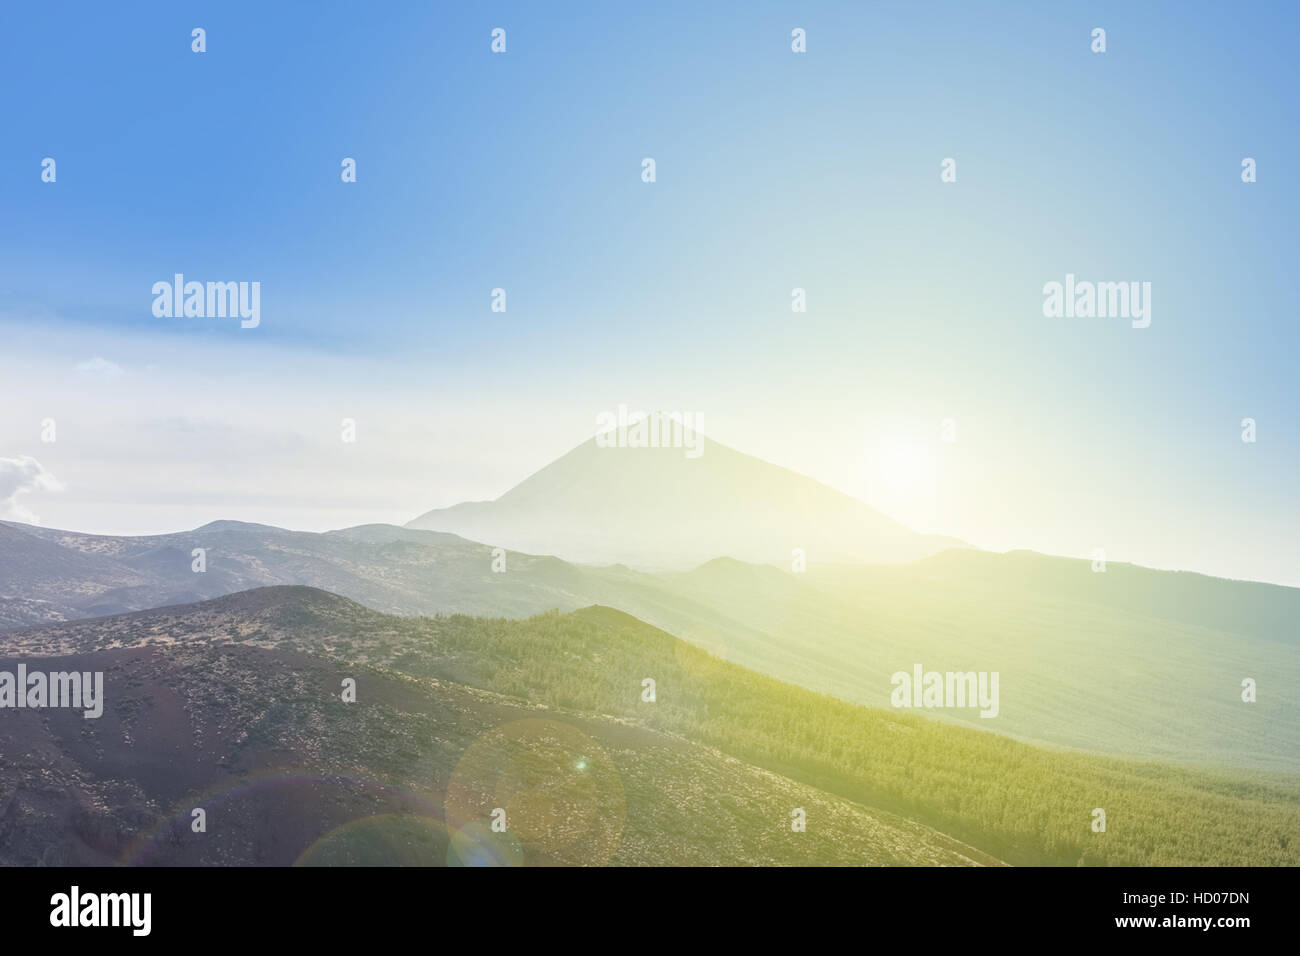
x=18, y=476
x=100, y=368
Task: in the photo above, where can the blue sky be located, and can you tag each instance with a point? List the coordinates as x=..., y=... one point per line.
x=774, y=171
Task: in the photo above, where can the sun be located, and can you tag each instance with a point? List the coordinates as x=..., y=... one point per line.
x=903, y=463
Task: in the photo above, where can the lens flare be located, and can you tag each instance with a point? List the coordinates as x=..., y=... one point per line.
x=555, y=790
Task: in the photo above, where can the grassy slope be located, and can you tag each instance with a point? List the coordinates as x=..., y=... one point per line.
x=1021, y=803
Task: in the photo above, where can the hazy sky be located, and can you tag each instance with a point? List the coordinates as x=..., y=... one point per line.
x=775, y=170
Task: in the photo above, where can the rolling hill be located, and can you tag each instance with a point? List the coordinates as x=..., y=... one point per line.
x=220, y=694
x=1133, y=662
x=233, y=707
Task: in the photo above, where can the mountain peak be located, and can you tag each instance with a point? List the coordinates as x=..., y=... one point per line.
x=670, y=499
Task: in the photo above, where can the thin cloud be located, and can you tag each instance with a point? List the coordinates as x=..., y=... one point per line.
x=19, y=476
x=100, y=368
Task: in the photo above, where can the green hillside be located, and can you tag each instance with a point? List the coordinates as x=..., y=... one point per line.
x=1023, y=804
x=1016, y=802
x=1020, y=803
x=1131, y=662
x=409, y=776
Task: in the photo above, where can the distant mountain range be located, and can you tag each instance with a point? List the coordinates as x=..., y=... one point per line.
x=50, y=575
x=656, y=508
